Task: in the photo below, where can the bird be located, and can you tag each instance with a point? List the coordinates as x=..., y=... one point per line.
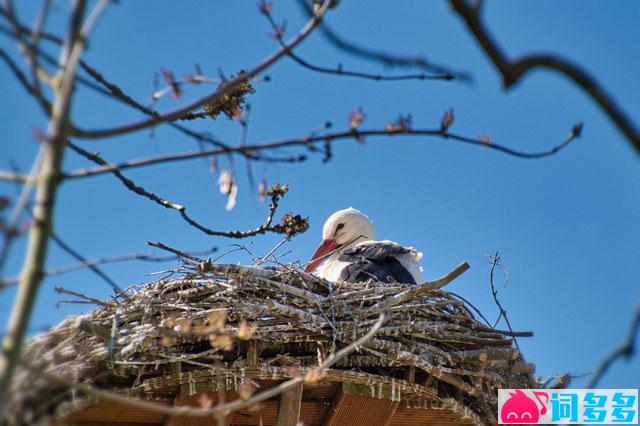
x=349, y=252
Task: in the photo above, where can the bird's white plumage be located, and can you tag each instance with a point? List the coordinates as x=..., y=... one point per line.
x=331, y=268
x=352, y=229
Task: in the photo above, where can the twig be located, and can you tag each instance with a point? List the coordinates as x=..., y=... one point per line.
x=178, y=253
x=116, y=92
x=29, y=48
x=626, y=350
x=384, y=58
x=22, y=78
x=28, y=31
x=31, y=276
x=111, y=90
x=219, y=94
x=83, y=296
x=513, y=71
x=359, y=74
x=21, y=205
x=132, y=186
x=146, y=256
x=84, y=261
x=472, y=306
x=309, y=140
x=13, y=176
x=273, y=250
x=419, y=289
x=495, y=260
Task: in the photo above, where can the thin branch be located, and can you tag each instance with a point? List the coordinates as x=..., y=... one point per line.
x=53, y=145
x=137, y=189
x=116, y=92
x=22, y=78
x=513, y=71
x=32, y=48
x=224, y=89
x=495, y=261
x=308, y=141
x=111, y=90
x=220, y=410
x=84, y=297
x=27, y=47
x=21, y=205
x=384, y=58
x=145, y=256
x=179, y=254
x=13, y=176
x=277, y=33
x=93, y=267
x=626, y=350
x=28, y=31
x=419, y=289
x=273, y=250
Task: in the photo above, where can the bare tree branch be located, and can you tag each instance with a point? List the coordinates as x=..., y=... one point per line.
x=267, y=226
x=226, y=88
x=277, y=34
x=84, y=297
x=384, y=58
x=309, y=140
x=179, y=254
x=28, y=31
x=92, y=266
x=512, y=71
x=22, y=78
x=21, y=205
x=625, y=350
x=32, y=271
x=13, y=176
x=29, y=48
x=116, y=92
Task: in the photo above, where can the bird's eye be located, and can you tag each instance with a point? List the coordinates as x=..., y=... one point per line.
x=340, y=226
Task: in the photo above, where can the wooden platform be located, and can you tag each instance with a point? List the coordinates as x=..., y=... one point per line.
x=362, y=399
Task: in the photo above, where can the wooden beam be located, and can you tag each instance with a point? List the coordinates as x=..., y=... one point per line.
x=289, y=406
x=195, y=401
x=358, y=405
x=252, y=354
x=113, y=412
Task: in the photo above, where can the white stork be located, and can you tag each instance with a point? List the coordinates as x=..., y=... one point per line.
x=349, y=252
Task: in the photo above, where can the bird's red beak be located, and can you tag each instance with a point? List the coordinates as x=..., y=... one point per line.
x=323, y=250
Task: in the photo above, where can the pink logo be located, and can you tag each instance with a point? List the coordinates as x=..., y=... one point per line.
x=519, y=408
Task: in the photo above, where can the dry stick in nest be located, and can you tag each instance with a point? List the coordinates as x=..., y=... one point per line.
x=420, y=289
x=220, y=410
x=146, y=256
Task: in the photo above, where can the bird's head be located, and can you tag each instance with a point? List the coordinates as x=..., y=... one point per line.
x=343, y=229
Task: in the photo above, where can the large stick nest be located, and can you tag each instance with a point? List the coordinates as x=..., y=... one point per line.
x=215, y=319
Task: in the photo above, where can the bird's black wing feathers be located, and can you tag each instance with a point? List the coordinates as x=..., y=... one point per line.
x=375, y=261
x=373, y=251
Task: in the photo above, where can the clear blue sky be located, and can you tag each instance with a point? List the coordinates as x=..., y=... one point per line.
x=566, y=226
